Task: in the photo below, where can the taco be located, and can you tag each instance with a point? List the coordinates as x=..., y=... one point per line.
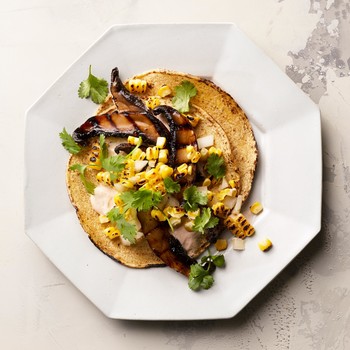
x=144, y=106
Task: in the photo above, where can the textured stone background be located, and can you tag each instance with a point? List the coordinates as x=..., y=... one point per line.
x=306, y=306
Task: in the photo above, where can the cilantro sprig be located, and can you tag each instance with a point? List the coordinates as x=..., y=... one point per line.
x=171, y=186
x=201, y=273
x=68, y=142
x=90, y=187
x=93, y=87
x=128, y=230
x=216, y=166
x=141, y=199
x=183, y=94
x=193, y=198
x=204, y=221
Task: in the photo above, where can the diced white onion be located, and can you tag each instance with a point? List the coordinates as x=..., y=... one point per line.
x=203, y=189
x=238, y=205
x=172, y=202
x=139, y=165
x=230, y=202
x=224, y=184
x=205, y=141
x=238, y=243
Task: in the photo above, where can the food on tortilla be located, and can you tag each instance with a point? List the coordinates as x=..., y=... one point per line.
x=214, y=124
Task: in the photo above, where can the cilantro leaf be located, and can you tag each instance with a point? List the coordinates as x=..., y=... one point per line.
x=93, y=87
x=128, y=230
x=183, y=94
x=90, y=187
x=103, y=147
x=171, y=186
x=141, y=199
x=201, y=273
x=216, y=166
x=193, y=197
x=204, y=221
x=68, y=142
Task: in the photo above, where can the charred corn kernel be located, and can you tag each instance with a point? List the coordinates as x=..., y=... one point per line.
x=232, y=183
x=111, y=232
x=152, y=153
x=137, y=85
x=118, y=201
x=165, y=171
x=190, y=149
x=220, y=210
x=103, y=219
x=194, y=120
x=256, y=208
x=152, y=102
x=206, y=182
x=161, y=141
x=133, y=140
x=239, y=226
x=214, y=150
x=159, y=187
x=221, y=244
x=238, y=243
x=164, y=90
x=224, y=193
x=195, y=157
x=163, y=155
x=204, y=154
x=265, y=244
x=175, y=212
x=210, y=195
x=158, y=215
x=175, y=221
x=127, y=183
x=150, y=174
x=94, y=157
x=137, y=154
x=189, y=226
x=192, y=214
x=105, y=177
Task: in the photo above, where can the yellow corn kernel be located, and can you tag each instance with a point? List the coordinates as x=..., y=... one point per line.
x=152, y=102
x=221, y=244
x=206, y=182
x=190, y=170
x=165, y=171
x=163, y=156
x=175, y=221
x=137, y=85
x=159, y=187
x=265, y=244
x=210, y=195
x=94, y=157
x=232, y=183
x=214, y=150
x=239, y=226
x=111, y=232
x=118, y=201
x=103, y=219
x=224, y=193
x=164, y=90
x=195, y=157
x=150, y=174
x=194, y=120
x=190, y=149
x=137, y=154
x=204, y=154
x=133, y=140
x=256, y=208
x=152, y=153
x=220, y=210
x=158, y=215
x=105, y=177
x=189, y=226
x=161, y=141
x=175, y=212
x=127, y=183
x=192, y=214
x=182, y=169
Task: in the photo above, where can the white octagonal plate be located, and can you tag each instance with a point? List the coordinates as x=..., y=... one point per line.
x=288, y=181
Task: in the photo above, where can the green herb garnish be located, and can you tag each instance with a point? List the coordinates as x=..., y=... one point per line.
x=128, y=230
x=171, y=186
x=216, y=166
x=141, y=199
x=93, y=87
x=183, y=94
x=193, y=198
x=68, y=142
x=90, y=187
x=204, y=221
